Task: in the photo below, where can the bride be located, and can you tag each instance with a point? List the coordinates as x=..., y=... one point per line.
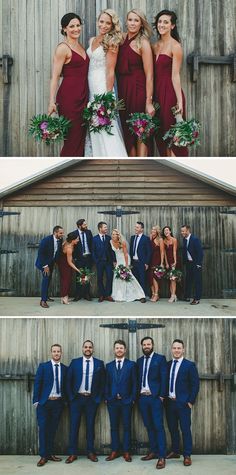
x=103, y=51
x=123, y=291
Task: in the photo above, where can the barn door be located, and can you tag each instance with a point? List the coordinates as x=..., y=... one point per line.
x=8, y=256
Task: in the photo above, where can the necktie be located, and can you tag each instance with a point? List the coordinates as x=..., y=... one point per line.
x=87, y=375
x=135, y=243
x=119, y=366
x=57, y=379
x=173, y=376
x=103, y=239
x=83, y=243
x=145, y=371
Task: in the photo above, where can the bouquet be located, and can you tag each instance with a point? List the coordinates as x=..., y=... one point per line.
x=143, y=125
x=84, y=276
x=123, y=273
x=174, y=274
x=99, y=113
x=49, y=129
x=159, y=271
x=184, y=133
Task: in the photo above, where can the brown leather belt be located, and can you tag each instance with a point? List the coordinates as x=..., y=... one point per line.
x=146, y=393
x=54, y=398
x=85, y=394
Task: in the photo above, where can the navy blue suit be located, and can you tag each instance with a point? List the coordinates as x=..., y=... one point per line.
x=103, y=257
x=46, y=257
x=151, y=407
x=144, y=251
x=83, y=261
x=194, y=267
x=80, y=403
x=120, y=394
x=48, y=411
x=177, y=410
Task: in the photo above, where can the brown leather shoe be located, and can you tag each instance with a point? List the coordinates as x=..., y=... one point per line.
x=127, y=457
x=91, y=456
x=43, y=304
x=41, y=462
x=101, y=299
x=161, y=463
x=109, y=299
x=143, y=300
x=54, y=458
x=187, y=461
x=149, y=456
x=71, y=458
x=114, y=455
x=87, y=297
x=173, y=455
x=195, y=302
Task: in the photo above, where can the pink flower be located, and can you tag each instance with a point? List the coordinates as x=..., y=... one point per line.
x=43, y=125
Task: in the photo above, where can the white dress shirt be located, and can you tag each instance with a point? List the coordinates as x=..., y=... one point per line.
x=146, y=388
x=53, y=392
x=121, y=362
x=135, y=255
x=188, y=254
x=87, y=251
x=91, y=367
x=179, y=361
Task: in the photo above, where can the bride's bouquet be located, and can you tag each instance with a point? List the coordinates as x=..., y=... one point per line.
x=184, y=133
x=142, y=125
x=84, y=276
x=174, y=274
x=123, y=273
x=100, y=112
x=49, y=129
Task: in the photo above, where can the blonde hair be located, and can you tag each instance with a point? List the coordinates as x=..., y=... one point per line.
x=145, y=30
x=113, y=38
x=121, y=239
x=158, y=231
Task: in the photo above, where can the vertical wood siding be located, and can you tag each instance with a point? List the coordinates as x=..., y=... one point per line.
x=26, y=342
x=31, y=30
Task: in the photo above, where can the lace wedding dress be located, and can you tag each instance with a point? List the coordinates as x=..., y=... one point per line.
x=101, y=144
x=123, y=291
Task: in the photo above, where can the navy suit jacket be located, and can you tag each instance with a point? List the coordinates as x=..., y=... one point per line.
x=144, y=249
x=187, y=381
x=75, y=375
x=157, y=375
x=44, y=380
x=194, y=249
x=98, y=249
x=46, y=252
x=126, y=386
x=78, y=251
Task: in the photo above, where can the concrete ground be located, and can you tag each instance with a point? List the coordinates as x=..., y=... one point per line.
x=202, y=465
x=29, y=306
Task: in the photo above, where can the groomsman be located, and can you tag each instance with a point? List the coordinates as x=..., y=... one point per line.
x=140, y=253
x=192, y=258
x=104, y=258
x=48, y=253
x=83, y=257
x=152, y=389
x=48, y=398
x=120, y=395
x=85, y=389
x=182, y=393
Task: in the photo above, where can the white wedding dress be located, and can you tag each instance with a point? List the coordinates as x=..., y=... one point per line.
x=123, y=291
x=102, y=144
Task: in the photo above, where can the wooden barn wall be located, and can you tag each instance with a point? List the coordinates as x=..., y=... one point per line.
x=31, y=30
x=213, y=414
x=123, y=182
x=22, y=233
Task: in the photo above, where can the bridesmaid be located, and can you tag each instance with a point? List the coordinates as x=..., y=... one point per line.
x=66, y=265
x=135, y=76
x=170, y=244
x=167, y=85
x=157, y=259
x=71, y=61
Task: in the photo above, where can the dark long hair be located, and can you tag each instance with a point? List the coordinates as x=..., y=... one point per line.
x=173, y=19
x=66, y=20
x=163, y=234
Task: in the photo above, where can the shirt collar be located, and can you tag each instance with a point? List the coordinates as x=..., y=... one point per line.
x=88, y=359
x=120, y=359
x=178, y=360
x=55, y=362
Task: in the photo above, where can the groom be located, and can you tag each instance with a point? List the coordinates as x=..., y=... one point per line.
x=103, y=257
x=140, y=253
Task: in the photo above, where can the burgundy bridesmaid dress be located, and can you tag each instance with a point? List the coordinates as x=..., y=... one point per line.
x=72, y=98
x=164, y=94
x=155, y=261
x=169, y=254
x=131, y=84
x=66, y=272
